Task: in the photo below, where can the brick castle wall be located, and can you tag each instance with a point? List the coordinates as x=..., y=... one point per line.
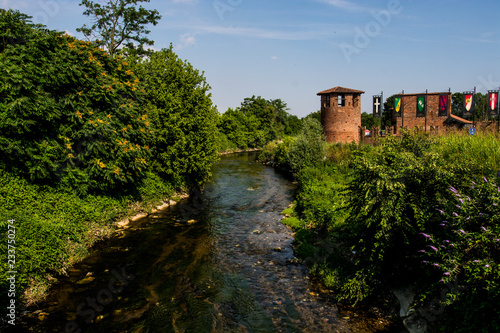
x=432, y=119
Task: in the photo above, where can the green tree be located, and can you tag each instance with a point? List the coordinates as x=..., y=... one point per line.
x=119, y=23
x=234, y=125
x=369, y=121
x=67, y=111
x=184, y=146
x=257, y=121
x=15, y=28
x=481, y=106
x=309, y=147
x=386, y=120
x=293, y=125
x=316, y=115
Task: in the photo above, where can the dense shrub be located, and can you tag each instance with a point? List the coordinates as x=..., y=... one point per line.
x=184, y=146
x=466, y=252
x=68, y=112
x=308, y=148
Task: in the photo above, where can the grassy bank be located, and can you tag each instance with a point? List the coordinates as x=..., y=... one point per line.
x=55, y=227
x=417, y=213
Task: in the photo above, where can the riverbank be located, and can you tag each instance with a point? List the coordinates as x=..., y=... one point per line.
x=55, y=228
x=411, y=224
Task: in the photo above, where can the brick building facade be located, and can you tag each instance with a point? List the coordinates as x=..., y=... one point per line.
x=432, y=119
x=341, y=114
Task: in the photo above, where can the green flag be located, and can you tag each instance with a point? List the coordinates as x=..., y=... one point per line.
x=397, y=105
x=420, y=106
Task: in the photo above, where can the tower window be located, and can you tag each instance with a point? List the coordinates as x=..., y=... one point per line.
x=341, y=100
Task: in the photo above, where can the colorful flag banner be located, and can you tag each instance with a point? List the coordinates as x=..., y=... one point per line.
x=443, y=105
x=468, y=109
x=398, y=106
x=493, y=103
x=377, y=106
x=421, y=106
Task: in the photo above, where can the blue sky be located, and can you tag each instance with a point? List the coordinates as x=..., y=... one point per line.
x=292, y=49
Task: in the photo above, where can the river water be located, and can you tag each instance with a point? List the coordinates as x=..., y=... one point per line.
x=222, y=262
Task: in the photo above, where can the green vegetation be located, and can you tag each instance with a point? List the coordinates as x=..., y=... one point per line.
x=86, y=142
x=374, y=219
x=68, y=112
x=185, y=121
x=255, y=123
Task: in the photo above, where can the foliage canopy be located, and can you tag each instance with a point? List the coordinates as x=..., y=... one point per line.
x=184, y=145
x=68, y=112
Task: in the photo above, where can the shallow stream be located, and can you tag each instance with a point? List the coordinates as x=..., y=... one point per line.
x=222, y=262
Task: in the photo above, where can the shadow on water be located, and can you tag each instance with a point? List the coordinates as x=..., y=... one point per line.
x=219, y=263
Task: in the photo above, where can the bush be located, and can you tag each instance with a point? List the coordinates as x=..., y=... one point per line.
x=68, y=112
x=466, y=250
x=309, y=147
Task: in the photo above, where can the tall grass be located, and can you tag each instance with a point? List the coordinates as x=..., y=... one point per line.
x=481, y=152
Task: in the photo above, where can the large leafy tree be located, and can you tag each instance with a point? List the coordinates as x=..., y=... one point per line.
x=258, y=121
x=68, y=112
x=369, y=121
x=185, y=144
x=119, y=23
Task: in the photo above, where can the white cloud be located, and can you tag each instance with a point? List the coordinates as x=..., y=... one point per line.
x=346, y=5
x=274, y=58
x=263, y=33
x=185, y=40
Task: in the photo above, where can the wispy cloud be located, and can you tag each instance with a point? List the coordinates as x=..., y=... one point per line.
x=185, y=1
x=13, y=4
x=266, y=33
x=274, y=58
x=185, y=40
x=346, y=5
x=477, y=40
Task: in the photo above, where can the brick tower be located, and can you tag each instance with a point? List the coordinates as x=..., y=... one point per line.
x=341, y=114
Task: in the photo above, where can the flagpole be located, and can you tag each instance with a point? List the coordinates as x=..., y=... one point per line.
x=425, y=110
x=381, y=111
x=402, y=110
x=498, y=108
x=473, y=106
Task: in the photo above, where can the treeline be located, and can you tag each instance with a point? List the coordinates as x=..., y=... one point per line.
x=255, y=123
x=415, y=216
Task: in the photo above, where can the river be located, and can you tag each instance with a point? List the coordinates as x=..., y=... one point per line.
x=222, y=262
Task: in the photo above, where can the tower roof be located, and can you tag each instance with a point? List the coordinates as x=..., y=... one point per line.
x=340, y=90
